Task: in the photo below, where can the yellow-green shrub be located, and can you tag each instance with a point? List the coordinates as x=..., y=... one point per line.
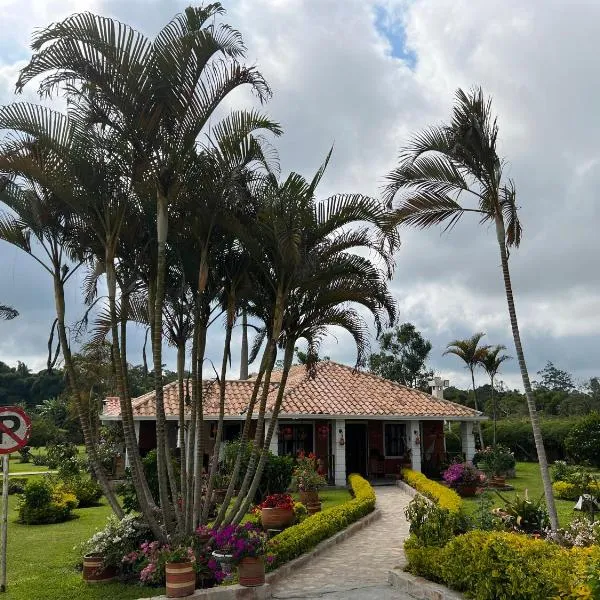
x=444, y=497
x=571, y=491
x=300, y=538
x=499, y=565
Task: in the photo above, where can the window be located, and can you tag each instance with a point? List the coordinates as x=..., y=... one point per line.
x=395, y=439
x=295, y=437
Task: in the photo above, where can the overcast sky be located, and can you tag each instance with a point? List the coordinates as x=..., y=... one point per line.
x=363, y=76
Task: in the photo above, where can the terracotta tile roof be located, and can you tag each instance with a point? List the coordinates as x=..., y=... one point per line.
x=335, y=390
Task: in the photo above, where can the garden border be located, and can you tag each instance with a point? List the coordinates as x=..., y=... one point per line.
x=418, y=587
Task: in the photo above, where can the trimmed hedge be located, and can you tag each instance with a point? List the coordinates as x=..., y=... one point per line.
x=298, y=539
x=571, y=491
x=443, y=496
x=498, y=565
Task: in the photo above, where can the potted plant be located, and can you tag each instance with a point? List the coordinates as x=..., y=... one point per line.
x=307, y=481
x=103, y=553
x=287, y=433
x=496, y=462
x=220, y=485
x=180, y=571
x=276, y=511
x=463, y=477
x=246, y=545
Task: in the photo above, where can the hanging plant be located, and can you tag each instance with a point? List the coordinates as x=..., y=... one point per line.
x=323, y=431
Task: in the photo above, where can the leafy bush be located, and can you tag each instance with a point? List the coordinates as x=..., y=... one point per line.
x=305, y=477
x=440, y=494
x=298, y=539
x=300, y=512
x=116, y=540
x=16, y=485
x=462, y=474
x=83, y=487
x=495, y=461
x=277, y=474
x=39, y=460
x=524, y=514
x=581, y=532
x=583, y=440
x=561, y=471
x=43, y=432
x=571, y=491
x=58, y=454
x=43, y=503
x=25, y=454
x=430, y=525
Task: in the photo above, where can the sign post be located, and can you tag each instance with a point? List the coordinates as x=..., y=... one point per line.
x=15, y=428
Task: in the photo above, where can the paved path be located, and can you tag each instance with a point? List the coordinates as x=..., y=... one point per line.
x=356, y=568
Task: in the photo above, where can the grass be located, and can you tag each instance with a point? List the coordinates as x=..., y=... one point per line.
x=42, y=559
x=528, y=478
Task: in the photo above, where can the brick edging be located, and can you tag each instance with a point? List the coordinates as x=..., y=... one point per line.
x=285, y=569
x=417, y=587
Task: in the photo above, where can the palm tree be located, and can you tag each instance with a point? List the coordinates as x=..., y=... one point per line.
x=157, y=95
x=491, y=362
x=456, y=161
x=8, y=312
x=471, y=353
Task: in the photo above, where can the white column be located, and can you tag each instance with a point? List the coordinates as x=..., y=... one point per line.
x=136, y=425
x=414, y=439
x=274, y=444
x=467, y=439
x=339, y=432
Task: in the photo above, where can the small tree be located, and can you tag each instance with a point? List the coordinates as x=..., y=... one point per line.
x=491, y=362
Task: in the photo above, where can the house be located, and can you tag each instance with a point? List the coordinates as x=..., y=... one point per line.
x=354, y=421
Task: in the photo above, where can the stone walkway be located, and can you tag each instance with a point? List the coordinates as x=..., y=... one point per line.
x=357, y=568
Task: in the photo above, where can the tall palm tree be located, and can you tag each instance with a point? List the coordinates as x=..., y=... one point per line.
x=471, y=353
x=459, y=161
x=8, y=312
x=158, y=95
x=492, y=362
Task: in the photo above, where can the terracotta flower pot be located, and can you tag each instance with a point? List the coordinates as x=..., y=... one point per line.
x=467, y=491
x=276, y=518
x=181, y=579
x=309, y=497
x=313, y=508
x=94, y=570
x=251, y=571
x=498, y=481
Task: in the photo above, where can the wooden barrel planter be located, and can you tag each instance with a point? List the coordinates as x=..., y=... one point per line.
x=313, y=508
x=181, y=579
x=309, y=497
x=276, y=518
x=94, y=570
x=251, y=571
x=498, y=481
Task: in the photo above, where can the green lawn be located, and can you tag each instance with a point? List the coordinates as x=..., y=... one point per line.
x=330, y=497
x=528, y=478
x=16, y=467
x=41, y=560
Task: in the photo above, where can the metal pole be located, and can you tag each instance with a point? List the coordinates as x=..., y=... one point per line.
x=5, y=458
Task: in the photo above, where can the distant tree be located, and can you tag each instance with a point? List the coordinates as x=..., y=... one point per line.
x=7, y=312
x=304, y=357
x=554, y=379
x=491, y=362
x=402, y=357
x=471, y=353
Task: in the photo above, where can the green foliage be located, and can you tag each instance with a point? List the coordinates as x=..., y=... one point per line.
x=87, y=490
x=583, y=441
x=16, y=485
x=300, y=512
x=496, y=565
x=440, y=494
x=483, y=518
x=44, y=432
x=276, y=476
x=402, y=357
x=59, y=454
x=25, y=454
x=524, y=514
x=496, y=460
x=298, y=539
x=561, y=471
x=430, y=525
x=42, y=502
x=18, y=385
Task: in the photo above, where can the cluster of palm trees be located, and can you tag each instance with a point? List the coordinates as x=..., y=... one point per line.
x=176, y=205
x=176, y=211
x=488, y=357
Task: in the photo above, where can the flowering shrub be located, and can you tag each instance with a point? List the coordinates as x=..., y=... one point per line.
x=440, y=494
x=495, y=461
x=579, y=533
x=117, y=539
x=305, y=477
x=284, y=501
x=41, y=502
x=459, y=474
x=240, y=541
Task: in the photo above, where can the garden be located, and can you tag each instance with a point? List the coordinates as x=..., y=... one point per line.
x=293, y=513
x=484, y=529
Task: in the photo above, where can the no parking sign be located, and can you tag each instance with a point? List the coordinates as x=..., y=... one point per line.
x=15, y=429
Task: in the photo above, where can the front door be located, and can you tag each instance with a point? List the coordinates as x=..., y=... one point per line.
x=356, y=448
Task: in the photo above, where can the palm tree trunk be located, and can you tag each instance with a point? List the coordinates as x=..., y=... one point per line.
x=481, y=444
x=535, y=424
x=215, y=455
x=182, y=441
x=244, y=352
x=493, y=411
x=199, y=433
x=161, y=424
x=288, y=358
x=90, y=446
x=131, y=443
